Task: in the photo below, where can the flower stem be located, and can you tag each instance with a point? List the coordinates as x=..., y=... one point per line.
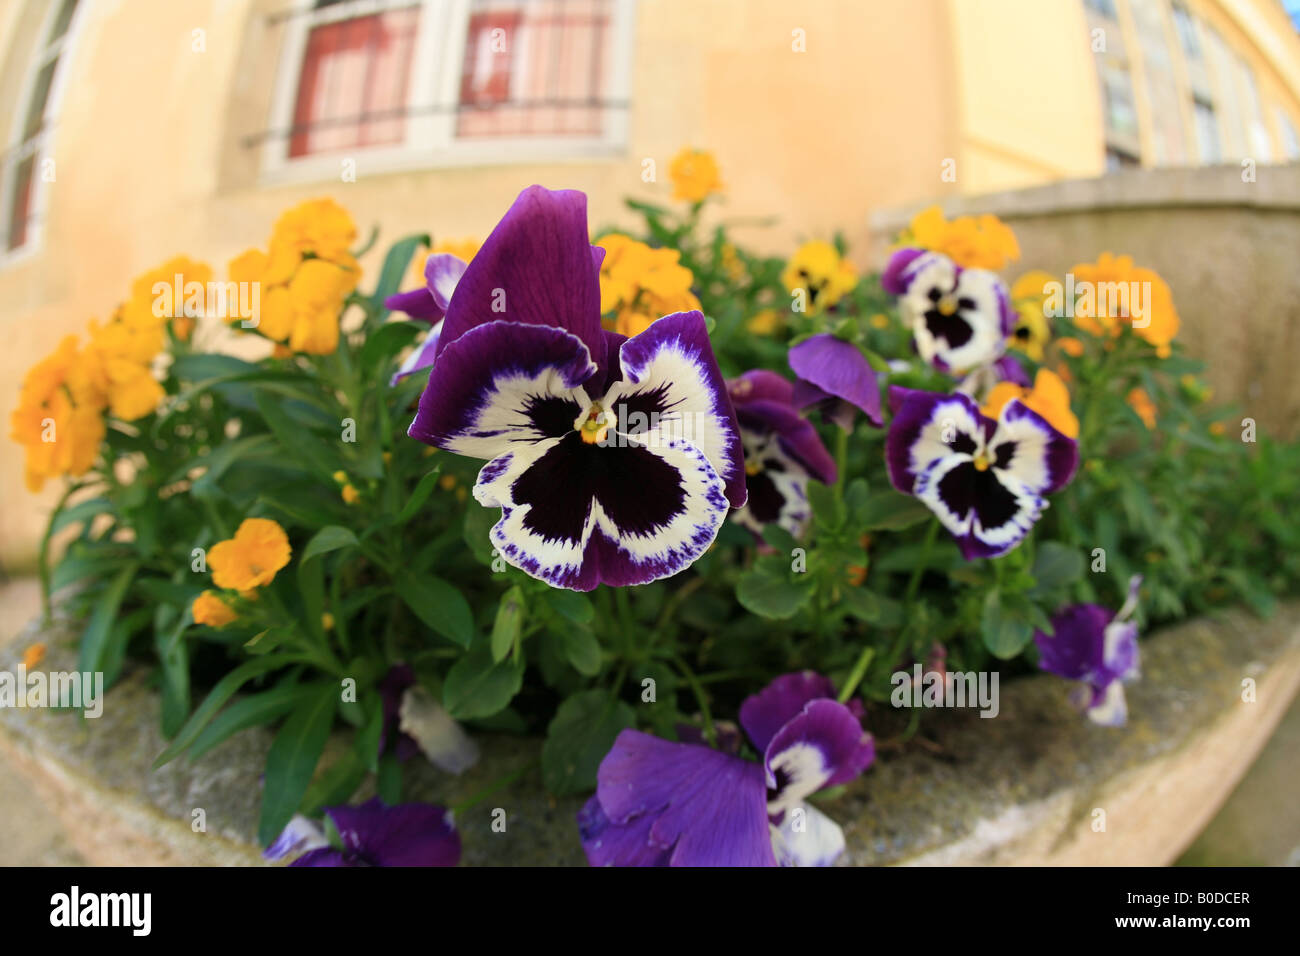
x=859, y=671
x=701, y=698
x=926, y=547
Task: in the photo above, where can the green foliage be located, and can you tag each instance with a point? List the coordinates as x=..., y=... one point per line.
x=405, y=572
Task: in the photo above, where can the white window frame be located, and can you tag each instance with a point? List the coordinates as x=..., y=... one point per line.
x=40, y=145
x=436, y=63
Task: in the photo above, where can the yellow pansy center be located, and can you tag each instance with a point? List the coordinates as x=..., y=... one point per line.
x=752, y=468
x=981, y=462
x=593, y=426
x=947, y=305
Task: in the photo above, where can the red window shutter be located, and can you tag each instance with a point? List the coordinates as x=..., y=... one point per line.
x=485, y=79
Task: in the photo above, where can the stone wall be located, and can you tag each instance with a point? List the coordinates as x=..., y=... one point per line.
x=1229, y=249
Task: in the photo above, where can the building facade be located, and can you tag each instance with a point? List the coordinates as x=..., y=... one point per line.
x=136, y=130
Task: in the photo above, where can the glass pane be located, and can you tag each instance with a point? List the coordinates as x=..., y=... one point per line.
x=62, y=20
x=40, y=97
x=20, y=212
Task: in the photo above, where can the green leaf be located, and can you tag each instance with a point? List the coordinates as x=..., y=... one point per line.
x=862, y=604
x=298, y=442
x=95, y=640
x=1056, y=565
x=772, y=595
x=251, y=711
x=827, y=507
x=509, y=621
x=397, y=264
x=292, y=760
x=84, y=511
x=222, y=692
x=270, y=639
x=477, y=686
x=174, y=661
x=478, y=524
x=1006, y=627
x=582, y=650
x=578, y=739
x=389, y=339
x=571, y=605
x=892, y=511
x=437, y=604
x=419, y=496
x=326, y=540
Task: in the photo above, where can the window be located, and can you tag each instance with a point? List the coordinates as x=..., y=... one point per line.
x=24, y=166
x=1290, y=138
x=1185, y=26
x=1104, y=7
x=1117, y=90
x=411, y=83
x=1117, y=159
x=1207, y=132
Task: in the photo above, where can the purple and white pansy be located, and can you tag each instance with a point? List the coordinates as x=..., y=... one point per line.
x=660, y=803
x=835, y=377
x=782, y=452
x=960, y=318
x=985, y=480
x=373, y=834
x=1097, y=646
x=613, y=460
x=441, y=272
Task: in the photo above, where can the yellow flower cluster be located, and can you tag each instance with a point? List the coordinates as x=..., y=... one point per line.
x=304, y=277
x=695, y=175
x=1032, y=331
x=821, y=273
x=983, y=242
x=249, y=560
x=1110, y=313
x=639, y=284
x=61, y=405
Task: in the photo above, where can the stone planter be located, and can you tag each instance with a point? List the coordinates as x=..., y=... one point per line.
x=1022, y=788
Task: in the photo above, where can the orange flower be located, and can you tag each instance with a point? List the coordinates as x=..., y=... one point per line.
x=209, y=609
x=985, y=242
x=1049, y=397
x=1070, y=346
x=250, y=559
x=1141, y=403
x=1115, y=294
x=33, y=656
x=695, y=175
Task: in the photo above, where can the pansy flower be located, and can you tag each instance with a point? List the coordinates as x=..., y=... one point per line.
x=985, y=480
x=821, y=274
x=1097, y=646
x=441, y=272
x=1049, y=397
x=660, y=803
x=613, y=460
x=782, y=452
x=960, y=318
x=373, y=834
x=835, y=377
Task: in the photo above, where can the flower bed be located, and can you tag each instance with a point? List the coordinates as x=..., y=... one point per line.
x=743, y=521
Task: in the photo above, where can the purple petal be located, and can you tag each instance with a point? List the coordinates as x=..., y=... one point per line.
x=921, y=422
x=840, y=369
x=418, y=304
x=765, y=713
x=536, y=268
x=797, y=437
x=421, y=356
x=301, y=835
x=501, y=384
x=823, y=746
x=626, y=844
x=409, y=834
x=708, y=808
x=1009, y=369
x=1075, y=648
x=1045, y=460
x=900, y=270
x=442, y=272
x=673, y=359
x=325, y=856
x=759, y=385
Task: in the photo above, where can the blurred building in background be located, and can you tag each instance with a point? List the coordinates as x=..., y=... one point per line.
x=139, y=129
